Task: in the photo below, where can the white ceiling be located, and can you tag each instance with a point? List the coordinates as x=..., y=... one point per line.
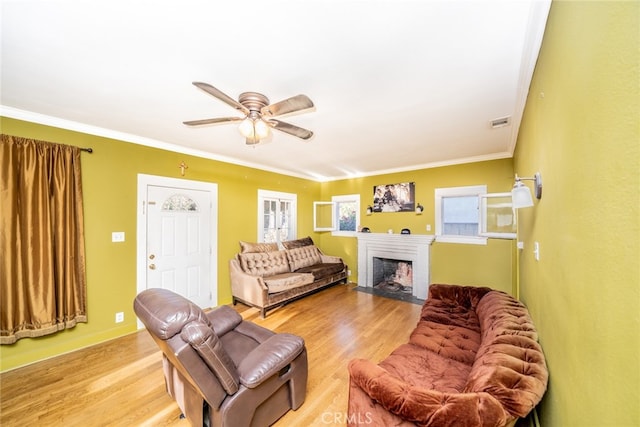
x=397, y=84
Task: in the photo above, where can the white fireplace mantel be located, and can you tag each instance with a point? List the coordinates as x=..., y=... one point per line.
x=406, y=247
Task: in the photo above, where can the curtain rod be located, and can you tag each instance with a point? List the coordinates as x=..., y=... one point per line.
x=88, y=150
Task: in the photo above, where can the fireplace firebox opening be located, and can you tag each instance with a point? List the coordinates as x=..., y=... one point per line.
x=393, y=275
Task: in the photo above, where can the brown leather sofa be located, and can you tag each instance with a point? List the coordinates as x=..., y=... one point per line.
x=220, y=369
x=473, y=360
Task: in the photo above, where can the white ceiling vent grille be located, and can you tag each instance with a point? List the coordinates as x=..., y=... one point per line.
x=501, y=122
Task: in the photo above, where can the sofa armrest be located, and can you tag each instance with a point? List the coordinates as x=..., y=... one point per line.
x=248, y=288
x=424, y=406
x=269, y=358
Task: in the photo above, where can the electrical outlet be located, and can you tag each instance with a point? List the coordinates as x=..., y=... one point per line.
x=119, y=317
x=428, y=227
x=348, y=272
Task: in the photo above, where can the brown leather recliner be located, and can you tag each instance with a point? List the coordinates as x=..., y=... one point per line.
x=220, y=369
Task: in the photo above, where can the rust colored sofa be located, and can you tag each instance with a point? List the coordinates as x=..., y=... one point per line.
x=472, y=360
x=264, y=276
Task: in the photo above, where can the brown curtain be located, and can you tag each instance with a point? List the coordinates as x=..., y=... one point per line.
x=42, y=276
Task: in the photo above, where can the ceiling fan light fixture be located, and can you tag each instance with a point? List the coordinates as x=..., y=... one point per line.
x=261, y=129
x=254, y=128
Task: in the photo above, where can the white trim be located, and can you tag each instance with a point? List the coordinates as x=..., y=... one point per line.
x=467, y=191
x=43, y=119
x=269, y=194
x=483, y=216
x=467, y=240
x=15, y=113
x=536, y=25
x=315, y=216
x=346, y=198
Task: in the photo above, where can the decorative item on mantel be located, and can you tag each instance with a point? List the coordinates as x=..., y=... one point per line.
x=365, y=230
x=405, y=231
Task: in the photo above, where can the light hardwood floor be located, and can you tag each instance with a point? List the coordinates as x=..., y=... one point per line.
x=120, y=383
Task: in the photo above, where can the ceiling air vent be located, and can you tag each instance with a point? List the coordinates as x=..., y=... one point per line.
x=498, y=123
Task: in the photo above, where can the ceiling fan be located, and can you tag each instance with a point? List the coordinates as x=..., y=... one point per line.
x=259, y=115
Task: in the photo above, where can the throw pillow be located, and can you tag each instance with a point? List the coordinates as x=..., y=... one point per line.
x=248, y=247
x=298, y=243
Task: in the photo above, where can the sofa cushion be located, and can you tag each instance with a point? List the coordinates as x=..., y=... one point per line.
x=415, y=405
x=509, y=364
x=264, y=263
x=285, y=281
x=447, y=313
x=419, y=367
x=304, y=256
x=247, y=247
x=453, y=305
x=452, y=342
x=320, y=271
x=467, y=296
x=298, y=243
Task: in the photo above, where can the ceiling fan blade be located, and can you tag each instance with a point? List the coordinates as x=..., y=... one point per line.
x=290, y=129
x=221, y=96
x=289, y=105
x=213, y=121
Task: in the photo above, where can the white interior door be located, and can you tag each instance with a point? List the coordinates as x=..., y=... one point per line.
x=176, y=246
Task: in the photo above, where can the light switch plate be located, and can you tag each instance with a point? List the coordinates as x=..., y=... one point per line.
x=117, y=236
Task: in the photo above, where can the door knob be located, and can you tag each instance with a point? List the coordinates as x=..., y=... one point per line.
x=152, y=256
x=152, y=266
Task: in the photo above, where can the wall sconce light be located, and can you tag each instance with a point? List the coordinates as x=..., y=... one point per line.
x=369, y=210
x=521, y=195
x=419, y=209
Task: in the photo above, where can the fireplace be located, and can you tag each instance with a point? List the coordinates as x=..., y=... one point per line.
x=408, y=253
x=393, y=275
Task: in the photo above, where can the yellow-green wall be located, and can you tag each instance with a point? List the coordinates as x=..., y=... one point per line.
x=581, y=130
x=110, y=189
